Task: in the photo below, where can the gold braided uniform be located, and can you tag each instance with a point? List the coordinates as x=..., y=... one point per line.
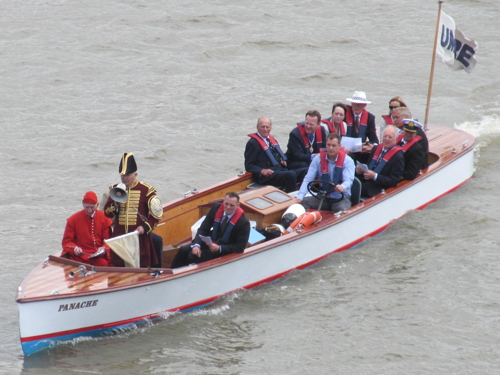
x=142, y=208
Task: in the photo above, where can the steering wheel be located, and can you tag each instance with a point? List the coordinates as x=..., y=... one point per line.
x=316, y=189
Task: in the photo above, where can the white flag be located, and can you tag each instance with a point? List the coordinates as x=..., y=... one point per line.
x=126, y=247
x=454, y=48
x=466, y=52
x=446, y=41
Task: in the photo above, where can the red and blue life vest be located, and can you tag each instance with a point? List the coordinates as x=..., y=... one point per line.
x=407, y=145
x=266, y=149
x=337, y=174
x=388, y=120
x=363, y=124
x=379, y=165
x=329, y=123
x=218, y=217
x=305, y=138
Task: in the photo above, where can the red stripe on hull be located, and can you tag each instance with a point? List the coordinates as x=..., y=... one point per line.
x=442, y=195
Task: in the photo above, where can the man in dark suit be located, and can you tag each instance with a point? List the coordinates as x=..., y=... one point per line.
x=385, y=165
x=225, y=229
x=265, y=159
x=361, y=124
x=401, y=115
x=305, y=141
x=414, y=154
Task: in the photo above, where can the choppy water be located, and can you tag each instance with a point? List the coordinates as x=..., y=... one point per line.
x=180, y=85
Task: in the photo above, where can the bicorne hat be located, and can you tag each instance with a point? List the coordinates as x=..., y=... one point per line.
x=127, y=164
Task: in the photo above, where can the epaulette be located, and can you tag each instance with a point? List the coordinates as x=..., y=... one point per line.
x=151, y=189
x=113, y=186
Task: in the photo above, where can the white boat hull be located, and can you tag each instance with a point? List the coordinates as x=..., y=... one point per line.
x=43, y=323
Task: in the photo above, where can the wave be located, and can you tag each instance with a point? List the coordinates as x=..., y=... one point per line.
x=486, y=131
x=488, y=126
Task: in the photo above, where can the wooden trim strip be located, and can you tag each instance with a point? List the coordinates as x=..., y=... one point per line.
x=88, y=267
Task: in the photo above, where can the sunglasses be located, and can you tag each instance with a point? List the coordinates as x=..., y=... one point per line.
x=391, y=107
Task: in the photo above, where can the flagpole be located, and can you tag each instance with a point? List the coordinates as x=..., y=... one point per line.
x=429, y=92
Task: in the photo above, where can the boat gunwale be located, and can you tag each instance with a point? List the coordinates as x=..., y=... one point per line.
x=204, y=302
x=330, y=221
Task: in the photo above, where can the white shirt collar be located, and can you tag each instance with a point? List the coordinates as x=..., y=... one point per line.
x=266, y=139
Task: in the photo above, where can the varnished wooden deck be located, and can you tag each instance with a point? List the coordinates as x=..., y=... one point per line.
x=51, y=280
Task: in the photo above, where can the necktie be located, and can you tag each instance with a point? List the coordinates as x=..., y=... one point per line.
x=223, y=226
x=356, y=123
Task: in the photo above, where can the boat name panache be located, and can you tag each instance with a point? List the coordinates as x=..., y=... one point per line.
x=79, y=305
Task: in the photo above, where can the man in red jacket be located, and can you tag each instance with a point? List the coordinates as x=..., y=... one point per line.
x=85, y=234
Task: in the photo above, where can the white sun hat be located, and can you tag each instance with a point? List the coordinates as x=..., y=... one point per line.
x=358, y=97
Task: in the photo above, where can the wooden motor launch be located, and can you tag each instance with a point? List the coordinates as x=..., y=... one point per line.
x=61, y=300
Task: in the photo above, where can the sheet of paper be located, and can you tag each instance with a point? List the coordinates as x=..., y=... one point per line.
x=352, y=144
x=363, y=167
x=206, y=239
x=96, y=254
